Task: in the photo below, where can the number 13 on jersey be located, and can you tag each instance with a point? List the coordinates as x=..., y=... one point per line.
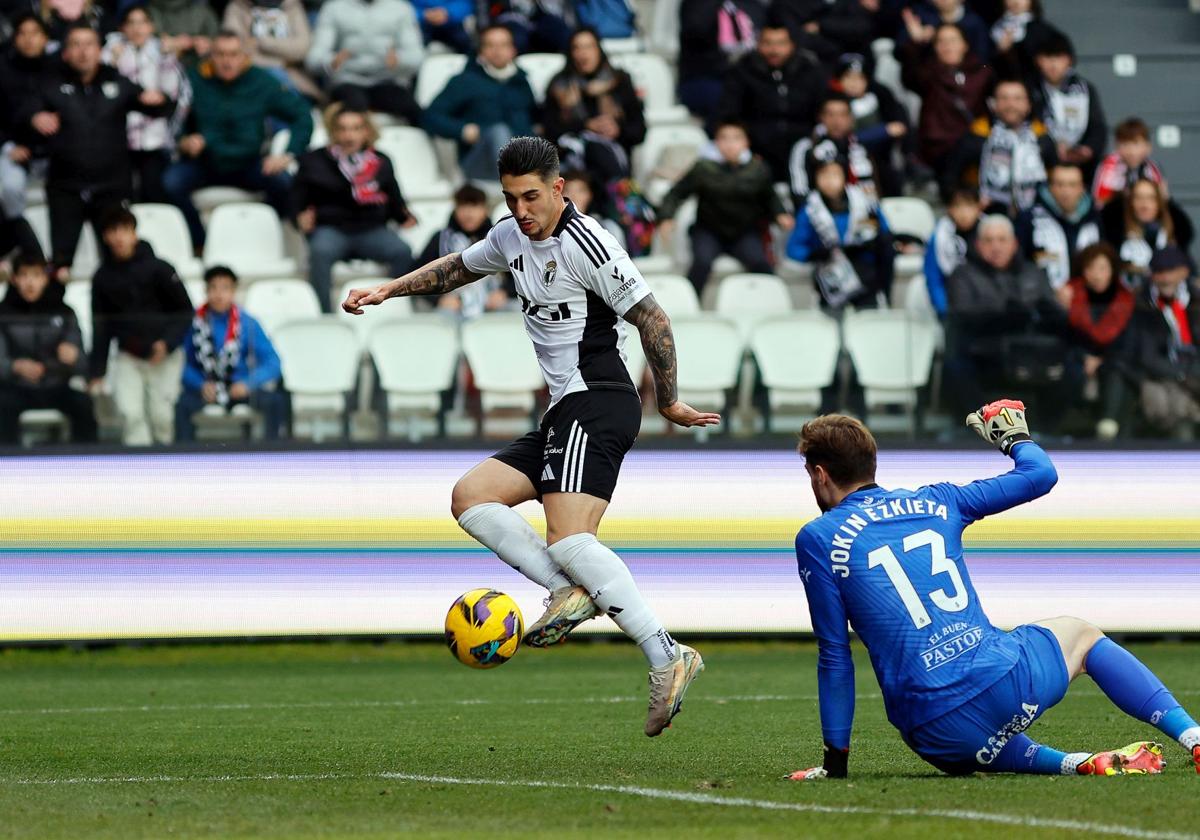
x=953, y=601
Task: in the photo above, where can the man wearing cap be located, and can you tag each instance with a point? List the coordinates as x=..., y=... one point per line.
x=1165, y=346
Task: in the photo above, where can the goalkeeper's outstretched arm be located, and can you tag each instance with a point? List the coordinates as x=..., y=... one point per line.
x=835, y=667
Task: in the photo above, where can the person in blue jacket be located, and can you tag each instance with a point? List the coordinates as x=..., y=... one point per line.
x=229, y=362
x=953, y=238
x=445, y=21
x=962, y=692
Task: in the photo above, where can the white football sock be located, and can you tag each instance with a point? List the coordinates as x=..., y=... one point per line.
x=506, y=532
x=1071, y=762
x=607, y=579
x=1189, y=738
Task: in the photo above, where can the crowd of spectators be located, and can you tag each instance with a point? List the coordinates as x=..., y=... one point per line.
x=1061, y=265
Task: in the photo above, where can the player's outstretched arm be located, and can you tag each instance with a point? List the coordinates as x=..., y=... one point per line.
x=658, y=343
x=444, y=274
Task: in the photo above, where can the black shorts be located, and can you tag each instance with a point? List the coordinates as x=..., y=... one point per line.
x=580, y=443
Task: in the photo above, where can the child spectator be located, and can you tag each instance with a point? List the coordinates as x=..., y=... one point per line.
x=41, y=349
x=228, y=362
x=841, y=229
x=139, y=301
x=953, y=238
x=139, y=56
x=1129, y=163
x=578, y=188
x=468, y=224
x=880, y=121
x=735, y=205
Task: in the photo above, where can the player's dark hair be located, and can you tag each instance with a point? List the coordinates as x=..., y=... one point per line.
x=219, y=271
x=528, y=155
x=842, y=445
x=469, y=194
x=116, y=217
x=28, y=259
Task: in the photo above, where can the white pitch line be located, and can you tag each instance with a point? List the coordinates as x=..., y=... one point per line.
x=689, y=797
x=371, y=704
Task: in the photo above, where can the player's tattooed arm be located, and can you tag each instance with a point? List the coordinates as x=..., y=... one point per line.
x=444, y=274
x=658, y=342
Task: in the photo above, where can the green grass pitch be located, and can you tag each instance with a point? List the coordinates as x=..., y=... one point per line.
x=355, y=740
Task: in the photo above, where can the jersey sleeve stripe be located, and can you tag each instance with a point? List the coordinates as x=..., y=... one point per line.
x=585, y=247
x=591, y=237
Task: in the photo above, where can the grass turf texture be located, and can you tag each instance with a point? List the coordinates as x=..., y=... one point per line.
x=226, y=726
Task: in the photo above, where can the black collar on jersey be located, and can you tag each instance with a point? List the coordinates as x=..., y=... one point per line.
x=855, y=492
x=569, y=212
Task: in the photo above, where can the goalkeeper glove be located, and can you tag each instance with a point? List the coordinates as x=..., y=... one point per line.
x=835, y=767
x=1001, y=422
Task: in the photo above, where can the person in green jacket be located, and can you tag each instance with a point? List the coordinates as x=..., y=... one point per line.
x=736, y=204
x=484, y=106
x=225, y=132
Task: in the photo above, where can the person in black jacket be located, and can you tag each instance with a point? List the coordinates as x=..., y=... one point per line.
x=41, y=348
x=1069, y=105
x=880, y=121
x=774, y=91
x=22, y=64
x=826, y=28
x=593, y=112
x=713, y=34
x=138, y=300
x=81, y=110
x=348, y=193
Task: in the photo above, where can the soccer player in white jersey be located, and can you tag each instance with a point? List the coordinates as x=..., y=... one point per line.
x=575, y=284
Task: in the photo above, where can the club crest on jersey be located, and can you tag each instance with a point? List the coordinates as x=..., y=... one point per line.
x=548, y=274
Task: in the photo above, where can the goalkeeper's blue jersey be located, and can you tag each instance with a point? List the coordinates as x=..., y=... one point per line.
x=890, y=562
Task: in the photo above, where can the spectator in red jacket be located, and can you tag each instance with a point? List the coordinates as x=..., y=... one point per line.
x=1128, y=164
x=953, y=86
x=1099, y=307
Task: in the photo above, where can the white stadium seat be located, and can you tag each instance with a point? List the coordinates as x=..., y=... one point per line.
x=196, y=290
x=912, y=217
x=797, y=355
x=275, y=303
x=690, y=139
x=208, y=199
x=87, y=252
x=655, y=84
x=416, y=360
x=664, y=28
x=163, y=226
x=502, y=362
x=435, y=72
x=247, y=237
x=320, y=360
x=892, y=351
x=415, y=161
x=747, y=299
x=431, y=218
x=373, y=316
x=78, y=296
x=709, y=352
x=674, y=293
x=541, y=68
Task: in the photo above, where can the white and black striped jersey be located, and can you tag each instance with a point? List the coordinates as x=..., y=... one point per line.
x=574, y=286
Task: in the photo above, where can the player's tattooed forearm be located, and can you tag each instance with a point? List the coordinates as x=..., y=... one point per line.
x=438, y=277
x=658, y=342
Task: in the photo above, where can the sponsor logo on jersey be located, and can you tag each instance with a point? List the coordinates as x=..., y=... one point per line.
x=625, y=286
x=1006, y=733
x=548, y=274
x=947, y=650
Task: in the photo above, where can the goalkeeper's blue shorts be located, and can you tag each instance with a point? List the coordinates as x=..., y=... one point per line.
x=968, y=739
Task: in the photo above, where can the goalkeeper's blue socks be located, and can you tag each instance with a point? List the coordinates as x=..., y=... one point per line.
x=1135, y=690
x=1022, y=754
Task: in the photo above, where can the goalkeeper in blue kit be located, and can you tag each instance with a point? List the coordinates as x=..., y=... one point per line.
x=962, y=693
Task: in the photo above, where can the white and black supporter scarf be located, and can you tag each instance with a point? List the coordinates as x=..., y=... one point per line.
x=836, y=276
x=1011, y=167
x=1068, y=109
x=218, y=365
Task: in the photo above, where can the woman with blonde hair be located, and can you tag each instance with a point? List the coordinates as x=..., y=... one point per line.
x=345, y=195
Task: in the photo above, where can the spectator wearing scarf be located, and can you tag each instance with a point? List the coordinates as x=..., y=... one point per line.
x=1069, y=106
x=713, y=35
x=1165, y=354
x=139, y=56
x=347, y=193
x=468, y=224
x=1062, y=222
x=832, y=139
x=592, y=111
x=229, y=362
x=1142, y=222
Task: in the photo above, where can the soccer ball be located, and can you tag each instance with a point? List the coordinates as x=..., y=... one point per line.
x=483, y=628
